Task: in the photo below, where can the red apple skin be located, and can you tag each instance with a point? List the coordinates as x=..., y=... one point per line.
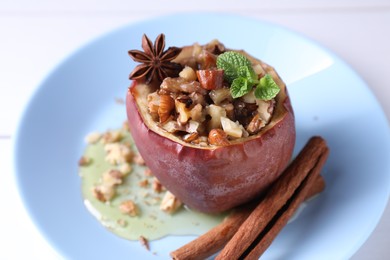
x=216, y=179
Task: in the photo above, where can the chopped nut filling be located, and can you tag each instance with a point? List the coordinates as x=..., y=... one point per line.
x=200, y=100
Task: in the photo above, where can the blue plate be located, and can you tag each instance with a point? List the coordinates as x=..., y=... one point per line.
x=329, y=99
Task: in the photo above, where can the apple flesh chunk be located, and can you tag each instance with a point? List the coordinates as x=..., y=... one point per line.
x=214, y=179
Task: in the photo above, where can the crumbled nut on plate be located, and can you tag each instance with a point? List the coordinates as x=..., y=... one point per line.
x=93, y=137
x=125, y=168
x=118, y=153
x=84, y=161
x=157, y=186
x=144, y=242
x=112, y=177
x=148, y=172
x=103, y=192
x=143, y=183
x=111, y=137
x=170, y=203
x=138, y=159
x=128, y=207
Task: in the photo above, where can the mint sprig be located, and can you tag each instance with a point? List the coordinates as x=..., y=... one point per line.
x=233, y=63
x=267, y=88
x=239, y=73
x=239, y=87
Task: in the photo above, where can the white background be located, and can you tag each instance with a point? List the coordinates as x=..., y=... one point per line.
x=36, y=35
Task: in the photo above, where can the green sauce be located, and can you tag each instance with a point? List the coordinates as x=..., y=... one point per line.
x=151, y=222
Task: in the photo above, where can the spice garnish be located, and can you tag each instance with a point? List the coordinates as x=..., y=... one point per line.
x=156, y=63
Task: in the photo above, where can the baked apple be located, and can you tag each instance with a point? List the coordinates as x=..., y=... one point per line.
x=214, y=125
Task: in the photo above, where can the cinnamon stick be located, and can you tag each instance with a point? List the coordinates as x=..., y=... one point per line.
x=214, y=240
x=285, y=195
x=316, y=188
x=264, y=240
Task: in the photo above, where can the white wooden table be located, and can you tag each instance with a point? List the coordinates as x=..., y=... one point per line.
x=37, y=35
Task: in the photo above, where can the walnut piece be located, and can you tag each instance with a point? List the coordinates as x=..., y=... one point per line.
x=170, y=203
x=157, y=186
x=112, y=178
x=103, y=192
x=111, y=137
x=125, y=168
x=118, y=153
x=128, y=207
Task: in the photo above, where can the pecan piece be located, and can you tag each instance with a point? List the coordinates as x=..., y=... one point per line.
x=188, y=138
x=167, y=104
x=255, y=125
x=218, y=137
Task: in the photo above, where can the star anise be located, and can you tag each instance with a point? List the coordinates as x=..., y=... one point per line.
x=156, y=63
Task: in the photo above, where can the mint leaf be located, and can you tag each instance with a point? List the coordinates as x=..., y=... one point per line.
x=239, y=87
x=239, y=73
x=267, y=88
x=248, y=73
x=231, y=62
